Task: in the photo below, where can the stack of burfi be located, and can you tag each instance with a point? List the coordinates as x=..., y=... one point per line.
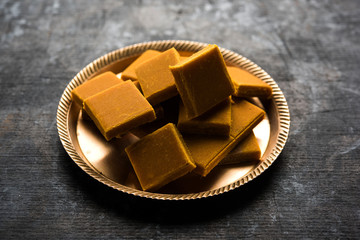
x=188, y=112
x=212, y=122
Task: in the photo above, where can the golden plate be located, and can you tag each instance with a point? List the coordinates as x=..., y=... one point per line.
x=107, y=161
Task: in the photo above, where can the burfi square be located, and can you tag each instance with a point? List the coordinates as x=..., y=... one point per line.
x=155, y=78
x=247, y=150
x=129, y=72
x=216, y=121
x=160, y=158
x=94, y=86
x=119, y=109
x=202, y=80
x=248, y=85
x=208, y=151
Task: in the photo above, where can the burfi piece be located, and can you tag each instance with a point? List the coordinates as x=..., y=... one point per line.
x=247, y=85
x=119, y=109
x=94, y=86
x=208, y=151
x=155, y=78
x=202, y=80
x=182, y=58
x=245, y=116
x=216, y=121
x=160, y=158
x=246, y=151
x=129, y=72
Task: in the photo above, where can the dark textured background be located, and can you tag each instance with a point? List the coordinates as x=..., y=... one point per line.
x=312, y=50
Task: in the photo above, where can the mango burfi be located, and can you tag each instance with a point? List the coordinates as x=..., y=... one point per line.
x=160, y=158
x=94, y=86
x=119, y=109
x=155, y=78
x=202, y=80
x=208, y=151
x=129, y=72
x=246, y=151
x=248, y=85
x=182, y=58
x=216, y=121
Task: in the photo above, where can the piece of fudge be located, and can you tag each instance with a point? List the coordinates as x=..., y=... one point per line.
x=247, y=85
x=182, y=58
x=129, y=72
x=208, y=151
x=246, y=151
x=94, y=86
x=216, y=121
x=160, y=158
x=155, y=78
x=202, y=80
x=119, y=109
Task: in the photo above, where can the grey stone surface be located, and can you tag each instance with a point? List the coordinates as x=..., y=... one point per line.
x=312, y=50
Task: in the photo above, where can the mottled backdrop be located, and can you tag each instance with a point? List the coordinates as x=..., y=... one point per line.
x=312, y=50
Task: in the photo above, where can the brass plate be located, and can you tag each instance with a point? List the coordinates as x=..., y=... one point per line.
x=107, y=161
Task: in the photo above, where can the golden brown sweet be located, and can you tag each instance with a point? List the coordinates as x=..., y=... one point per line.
x=94, y=86
x=216, y=121
x=155, y=78
x=119, y=109
x=202, y=80
x=182, y=58
x=160, y=158
x=208, y=151
x=247, y=85
x=129, y=72
x=247, y=150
